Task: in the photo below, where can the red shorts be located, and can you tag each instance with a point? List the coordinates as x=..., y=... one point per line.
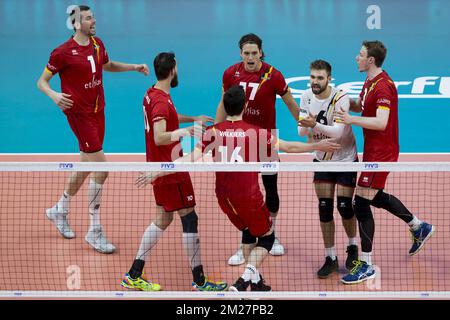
x=175, y=196
x=253, y=215
x=374, y=180
x=89, y=128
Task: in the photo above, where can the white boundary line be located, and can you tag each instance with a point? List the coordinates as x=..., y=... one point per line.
x=229, y=295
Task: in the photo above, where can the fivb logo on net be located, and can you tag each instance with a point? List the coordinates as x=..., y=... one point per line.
x=424, y=87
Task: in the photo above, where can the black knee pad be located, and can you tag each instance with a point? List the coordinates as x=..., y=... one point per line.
x=266, y=242
x=381, y=200
x=271, y=187
x=361, y=207
x=247, y=237
x=345, y=207
x=326, y=207
x=190, y=222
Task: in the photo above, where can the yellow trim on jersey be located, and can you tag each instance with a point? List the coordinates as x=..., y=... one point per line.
x=384, y=108
x=265, y=77
x=97, y=49
x=48, y=71
x=231, y=206
x=96, y=105
x=373, y=85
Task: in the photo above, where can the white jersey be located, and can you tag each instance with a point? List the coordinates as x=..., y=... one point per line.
x=326, y=127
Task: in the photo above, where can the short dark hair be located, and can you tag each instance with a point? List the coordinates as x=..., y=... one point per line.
x=377, y=50
x=164, y=63
x=233, y=100
x=251, y=38
x=321, y=65
x=79, y=8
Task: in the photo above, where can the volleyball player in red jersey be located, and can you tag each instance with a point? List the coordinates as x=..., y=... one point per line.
x=378, y=102
x=262, y=83
x=238, y=193
x=173, y=192
x=80, y=62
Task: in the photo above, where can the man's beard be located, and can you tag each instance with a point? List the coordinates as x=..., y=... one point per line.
x=318, y=90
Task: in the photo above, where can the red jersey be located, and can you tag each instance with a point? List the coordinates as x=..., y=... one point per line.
x=158, y=105
x=237, y=141
x=81, y=71
x=261, y=88
x=380, y=92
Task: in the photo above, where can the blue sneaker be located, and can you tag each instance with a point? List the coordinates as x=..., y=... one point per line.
x=210, y=285
x=360, y=272
x=420, y=236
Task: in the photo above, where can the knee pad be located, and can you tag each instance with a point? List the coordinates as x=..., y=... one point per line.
x=247, y=237
x=266, y=242
x=326, y=208
x=190, y=222
x=271, y=187
x=361, y=207
x=381, y=200
x=345, y=207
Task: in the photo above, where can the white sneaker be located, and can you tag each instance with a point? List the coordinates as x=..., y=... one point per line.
x=97, y=240
x=59, y=218
x=277, y=248
x=237, y=258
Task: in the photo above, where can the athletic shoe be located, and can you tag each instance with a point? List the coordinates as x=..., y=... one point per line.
x=59, y=218
x=352, y=255
x=141, y=283
x=237, y=258
x=239, y=285
x=360, y=272
x=98, y=241
x=277, y=248
x=328, y=268
x=260, y=285
x=210, y=285
x=420, y=236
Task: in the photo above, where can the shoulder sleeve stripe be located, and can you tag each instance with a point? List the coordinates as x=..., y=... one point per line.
x=384, y=107
x=48, y=71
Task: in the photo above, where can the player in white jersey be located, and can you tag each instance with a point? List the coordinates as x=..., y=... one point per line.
x=317, y=108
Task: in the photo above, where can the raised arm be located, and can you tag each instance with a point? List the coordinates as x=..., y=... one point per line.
x=355, y=105
x=163, y=137
x=379, y=122
x=116, y=66
x=299, y=147
x=203, y=119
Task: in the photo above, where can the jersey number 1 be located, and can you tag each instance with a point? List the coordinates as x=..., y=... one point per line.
x=91, y=60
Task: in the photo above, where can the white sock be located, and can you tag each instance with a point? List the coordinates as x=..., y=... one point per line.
x=191, y=245
x=414, y=224
x=251, y=274
x=94, y=198
x=352, y=241
x=149, y=239
x=366, y=257
x=331, y=252
x=64, y=202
